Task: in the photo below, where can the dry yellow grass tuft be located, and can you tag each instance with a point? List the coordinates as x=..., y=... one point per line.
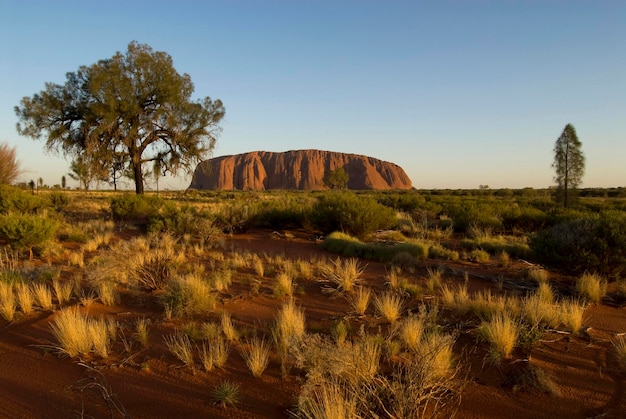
x=501, y=332
x=389, y=306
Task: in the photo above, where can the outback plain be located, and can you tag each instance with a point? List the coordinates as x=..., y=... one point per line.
x=394, y=304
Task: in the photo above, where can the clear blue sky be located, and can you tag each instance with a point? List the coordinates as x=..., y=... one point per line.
x=458, y=93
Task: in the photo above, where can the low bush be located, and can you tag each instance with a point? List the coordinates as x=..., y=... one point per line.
x=15, y=200
x=346, y=245
x=351, y=214
x=590, y=243
x=24, y=232
x=135, y=209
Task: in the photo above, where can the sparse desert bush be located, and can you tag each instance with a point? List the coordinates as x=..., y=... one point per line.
x=329, y=400
x=435, y=350
x=190, y=295
x=78, y=334
x=591, y=286
x=346, y=380
x=389, y=306
x=501, y=332
x=180, y=346
x=154, y=268
x=256, y=354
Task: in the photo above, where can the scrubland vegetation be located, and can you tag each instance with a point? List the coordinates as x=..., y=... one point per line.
x=397, y=350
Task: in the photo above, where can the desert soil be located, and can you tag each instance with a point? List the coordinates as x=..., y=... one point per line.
x=35, y=382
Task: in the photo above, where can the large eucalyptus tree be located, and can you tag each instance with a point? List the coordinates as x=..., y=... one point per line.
x=133, y=108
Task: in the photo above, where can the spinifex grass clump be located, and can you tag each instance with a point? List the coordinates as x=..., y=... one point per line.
x=43, y=296
x=180, y=345
x=619, y=348
x=228, y=328
x=360, y=300
x=501, y=332
x=79, y=335
x=389, y=306
x=591, y=287
x=25, y=297
x=256, y=354
x=283, y=285
x=344, y=274
x=572, y=315
x=7, y=301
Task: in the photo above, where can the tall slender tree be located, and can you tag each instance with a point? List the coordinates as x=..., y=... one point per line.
x=135, y=105
x=569, y=164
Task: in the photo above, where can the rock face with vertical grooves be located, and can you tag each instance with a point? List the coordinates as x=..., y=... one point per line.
x=296, y=169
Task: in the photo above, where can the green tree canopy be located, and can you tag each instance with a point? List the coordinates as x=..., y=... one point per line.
x=134, y=105
x=569, y=164
x=336, y=179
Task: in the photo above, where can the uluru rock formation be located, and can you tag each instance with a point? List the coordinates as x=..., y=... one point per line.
x=296, y=169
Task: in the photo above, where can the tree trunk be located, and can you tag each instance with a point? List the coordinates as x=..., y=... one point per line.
x=138, y=177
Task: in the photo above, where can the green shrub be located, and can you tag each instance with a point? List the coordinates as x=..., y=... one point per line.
x=351, y=214
x=25, y=231
x=59, y=200
x=282, y=213
x=437, y=251
x=590, y=243
x=182, y=221
x=135, y=209
x=479, y=256
x=346, y=245
x=15, y=200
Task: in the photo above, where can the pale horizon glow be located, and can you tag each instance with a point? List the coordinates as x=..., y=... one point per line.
x=457, y=93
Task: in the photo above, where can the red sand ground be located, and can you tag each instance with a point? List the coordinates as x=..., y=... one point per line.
x=36, y=383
